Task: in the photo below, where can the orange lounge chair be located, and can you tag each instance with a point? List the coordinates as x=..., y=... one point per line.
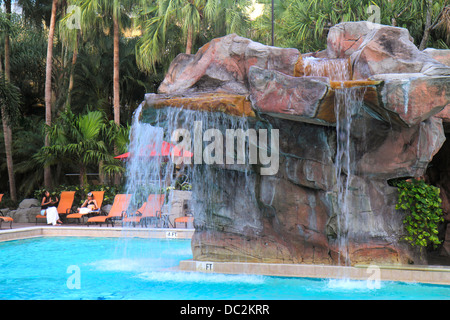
x=133, y=218
x=98, y=196
x=64, y=206
x=3, y=218
x=150, y=212
x=185, y=220
x=188, y=217
x=119, y=207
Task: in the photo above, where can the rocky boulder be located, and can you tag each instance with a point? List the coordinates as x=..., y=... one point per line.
x=295, y=216
x=441, y=55
x=285, y=96
x=345, y=38
x=26, y=212
x=390, y=152
x=390, y=50
x=223, y=64
x=379, y=49
x=408, y=99
x=27, y=215
x=29, y=203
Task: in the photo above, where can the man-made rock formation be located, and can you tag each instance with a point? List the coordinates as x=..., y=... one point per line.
x=295, y=216
x=26, y=212
x=223, y=64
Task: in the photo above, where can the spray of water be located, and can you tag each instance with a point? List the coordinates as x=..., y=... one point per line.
x=348, y=102
x=158, y=174
x=334, y=69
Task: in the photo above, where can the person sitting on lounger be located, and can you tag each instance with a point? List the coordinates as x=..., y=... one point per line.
x=49, y=210
x=89, y=205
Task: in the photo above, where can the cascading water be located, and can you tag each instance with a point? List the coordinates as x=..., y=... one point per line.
x=334, y=69
x=200, y=133
x=347, y=102
x=203, y=132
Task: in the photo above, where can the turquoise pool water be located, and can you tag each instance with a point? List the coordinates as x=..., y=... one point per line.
x=104, y=268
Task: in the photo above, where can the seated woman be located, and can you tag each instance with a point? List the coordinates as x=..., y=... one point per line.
x=89, y=205
x=49, y=210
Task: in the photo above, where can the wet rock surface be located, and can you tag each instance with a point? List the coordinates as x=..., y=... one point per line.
x=292, y=216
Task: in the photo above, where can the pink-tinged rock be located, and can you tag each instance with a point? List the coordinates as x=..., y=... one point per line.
x=410, y=99
x=222, y=65
x=399, y=152
x=311, y=174
x=215, y=245
x=389, y=49
x=444, y=114
x=441, y=55
x=345, y=38
x=300, y=217
x=283, y=96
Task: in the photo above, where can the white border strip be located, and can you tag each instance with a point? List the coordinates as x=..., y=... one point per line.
x=105, y=232
x=431, y=275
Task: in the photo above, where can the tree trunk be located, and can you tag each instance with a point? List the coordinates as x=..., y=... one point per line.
x=83, y=177
x=7, y=131
x=116, y=72
x=72, y=72
x=428, y=25
x=116, y=83
x=48, y=87
x=190, y=39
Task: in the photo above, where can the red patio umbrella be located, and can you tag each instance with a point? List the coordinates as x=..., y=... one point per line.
x=167, y=149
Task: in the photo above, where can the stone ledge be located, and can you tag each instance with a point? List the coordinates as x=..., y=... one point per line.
x=33, y=232
x=423, y=274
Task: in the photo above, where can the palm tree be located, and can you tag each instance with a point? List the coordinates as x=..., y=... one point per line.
x=29, y=138
x=77, y=140
x=48, y=85
x=71, y=37
x=10, y=100
x=103, y=15
x=305, y=24
x=160, y=17
x=7, y=131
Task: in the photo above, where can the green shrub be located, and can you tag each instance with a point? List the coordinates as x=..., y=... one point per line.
x=422, y=207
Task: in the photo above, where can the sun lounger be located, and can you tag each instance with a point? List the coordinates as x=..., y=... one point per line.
x=135, y=217
x=186, y=220
x=188, y=217
x=64, y=206
x=119, y=207
x=98, y=196
x=3, y=218
x=151, y=213
x=6, y=219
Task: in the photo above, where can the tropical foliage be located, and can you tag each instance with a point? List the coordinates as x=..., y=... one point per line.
x=81, y=141
x=421, y=205
x=98, y=71
x=305, y=24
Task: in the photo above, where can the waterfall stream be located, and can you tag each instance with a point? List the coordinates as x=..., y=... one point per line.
x=203, y=134
x=347, y=103
x=199, y=132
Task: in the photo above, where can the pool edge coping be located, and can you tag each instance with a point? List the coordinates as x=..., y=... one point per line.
x=371, y=273
x=108, y=232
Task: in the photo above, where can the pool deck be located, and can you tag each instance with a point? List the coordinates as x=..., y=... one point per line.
x=31, y=230
x=373, y=273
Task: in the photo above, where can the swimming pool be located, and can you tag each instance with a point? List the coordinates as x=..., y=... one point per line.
x=129, y=268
